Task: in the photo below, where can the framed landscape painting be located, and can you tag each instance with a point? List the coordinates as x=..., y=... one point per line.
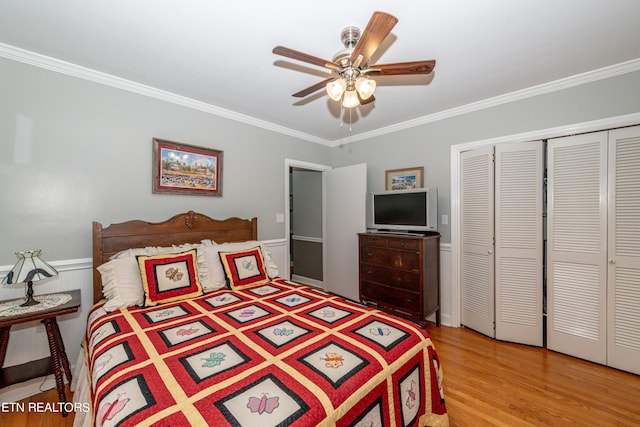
x=404, y=179
x=186, y=169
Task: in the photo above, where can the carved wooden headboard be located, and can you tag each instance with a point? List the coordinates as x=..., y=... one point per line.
x=189, y=227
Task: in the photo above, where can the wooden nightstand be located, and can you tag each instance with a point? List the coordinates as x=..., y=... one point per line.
x=57, y=363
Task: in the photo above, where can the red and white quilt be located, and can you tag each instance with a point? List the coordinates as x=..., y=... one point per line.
x=275, y=355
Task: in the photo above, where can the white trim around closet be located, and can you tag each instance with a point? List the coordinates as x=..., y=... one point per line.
x=456, y=150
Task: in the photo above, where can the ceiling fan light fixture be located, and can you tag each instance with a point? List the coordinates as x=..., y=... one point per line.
x=336, y=88
x=365, y=87
x=350, y=99
x=349, y=83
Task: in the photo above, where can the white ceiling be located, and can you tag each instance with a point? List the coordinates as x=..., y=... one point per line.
x=217, y=55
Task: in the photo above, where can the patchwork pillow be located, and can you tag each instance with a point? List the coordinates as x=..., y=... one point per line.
x=217, y=276
x=201, y=266
x=244, y=268
x=169, y=277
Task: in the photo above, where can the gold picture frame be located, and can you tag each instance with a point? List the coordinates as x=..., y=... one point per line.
x=404, y=179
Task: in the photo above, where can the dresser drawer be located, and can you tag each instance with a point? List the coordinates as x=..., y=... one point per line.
x=374, y=241
x=402, y=279
x=399, y=243
x=406, y=260
x=390, y=296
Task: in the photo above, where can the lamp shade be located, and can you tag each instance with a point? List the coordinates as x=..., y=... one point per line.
x=365, y=87
x=29, y=268
x=350, y=99
x=336, y=88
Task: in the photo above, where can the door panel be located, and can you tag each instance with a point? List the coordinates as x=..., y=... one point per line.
x=577, y=252
x=518, y=212
x=346, y=192
x=477, y=255
x=623, y=313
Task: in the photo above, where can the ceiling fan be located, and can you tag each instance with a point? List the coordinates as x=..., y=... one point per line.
x=351, y=81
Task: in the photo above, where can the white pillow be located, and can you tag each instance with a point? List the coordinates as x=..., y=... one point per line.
x=121, y=283
x=217, y=278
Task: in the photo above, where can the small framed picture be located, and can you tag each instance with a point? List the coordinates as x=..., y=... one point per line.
x=404, y=179
x=186, y=169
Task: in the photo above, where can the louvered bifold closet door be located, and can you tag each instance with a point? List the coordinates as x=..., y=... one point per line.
x=623, y=314
x=576, y=262
x=518, y=229
x=477, y=256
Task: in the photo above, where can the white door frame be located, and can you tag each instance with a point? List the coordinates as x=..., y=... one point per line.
x=456, y=150
x=288, y=164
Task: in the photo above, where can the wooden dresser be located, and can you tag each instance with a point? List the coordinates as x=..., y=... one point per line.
x=400, y=274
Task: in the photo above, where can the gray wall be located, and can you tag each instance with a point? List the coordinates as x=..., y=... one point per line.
x=74, y=152
x=307, y=260
x=306, y=188
x=429, y=145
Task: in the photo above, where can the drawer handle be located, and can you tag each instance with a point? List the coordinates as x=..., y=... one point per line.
x=369, y=254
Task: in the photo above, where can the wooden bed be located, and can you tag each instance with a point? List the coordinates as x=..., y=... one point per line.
x=268, y=353
x=189, y=227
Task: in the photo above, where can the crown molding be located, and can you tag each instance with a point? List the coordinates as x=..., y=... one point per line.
x=63, y=67
x=53, y=64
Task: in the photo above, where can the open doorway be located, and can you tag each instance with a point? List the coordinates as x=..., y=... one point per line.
x=304, y=222
x=305, y=226
x=342, y=215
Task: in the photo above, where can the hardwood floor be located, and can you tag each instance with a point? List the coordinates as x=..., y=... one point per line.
x=37, y=418
x=492, y=383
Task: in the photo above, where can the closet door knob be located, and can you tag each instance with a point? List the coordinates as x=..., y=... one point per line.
x=489, y=251
x=612, y=261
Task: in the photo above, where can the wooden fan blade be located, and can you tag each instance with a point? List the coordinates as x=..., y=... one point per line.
x=400, y=68
x=304, y=57
x=313, y=88
x=378, y=28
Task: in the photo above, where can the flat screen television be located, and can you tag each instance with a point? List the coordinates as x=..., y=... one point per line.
x=404, y=210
